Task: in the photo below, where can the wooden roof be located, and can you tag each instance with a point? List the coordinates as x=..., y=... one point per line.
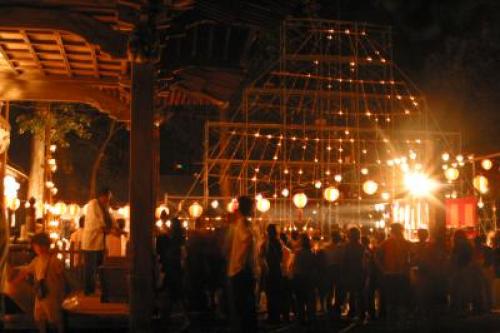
x=75, y=51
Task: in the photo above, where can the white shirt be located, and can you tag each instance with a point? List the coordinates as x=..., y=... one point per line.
x=93, y=233
x=242, y=251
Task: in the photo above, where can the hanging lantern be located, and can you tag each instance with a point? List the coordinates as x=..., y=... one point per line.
x=214, y=204
x=74, y=210
x=160, y=209
x=364, y=171
x=338, y=178
x=385, y=196
x=59, y=209
x=232, y=206
x=445, y=157
x=285, y=192
x=451, y=174
x=487, y=164
x=300, y=200
x=331, y=194
x=318, y=184
x=480, y=183
x=263, y=205
x=370, y=187
x=195, y=210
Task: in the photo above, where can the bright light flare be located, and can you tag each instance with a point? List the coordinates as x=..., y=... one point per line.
x=419, y=184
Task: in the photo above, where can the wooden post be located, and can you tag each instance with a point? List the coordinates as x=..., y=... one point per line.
x=142, y=196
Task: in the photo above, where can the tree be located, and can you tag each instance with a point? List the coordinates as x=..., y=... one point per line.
x=50, y=124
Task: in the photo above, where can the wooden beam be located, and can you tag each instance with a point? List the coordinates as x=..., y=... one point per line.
x=6, y=58
x=32, y=51
x=15, y=89
x=62, y=50
x=93, y=31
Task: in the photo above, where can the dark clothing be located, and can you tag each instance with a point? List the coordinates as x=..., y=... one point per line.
x=353, y=272
x=242, y=286
x=273, y=254
x=92, y=260
x=303, y=281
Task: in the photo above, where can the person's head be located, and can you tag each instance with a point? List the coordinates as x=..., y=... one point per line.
x=459, y=237
x=422, y=235
x=40, y=243
x=305, y=242
x=104, y=195
x=353, y=235
x=272, y=232
x=336, y=237
x=81, y=222
x=163, y=215
x=397, y=230
x=245, y=206
x=284, y=238
x=176, y=231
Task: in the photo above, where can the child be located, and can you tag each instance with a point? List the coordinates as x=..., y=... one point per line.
x=47, y=268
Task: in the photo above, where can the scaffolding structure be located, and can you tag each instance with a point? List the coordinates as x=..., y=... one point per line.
x=334, y=112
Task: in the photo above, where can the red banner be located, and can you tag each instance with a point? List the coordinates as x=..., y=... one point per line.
x=461, y=213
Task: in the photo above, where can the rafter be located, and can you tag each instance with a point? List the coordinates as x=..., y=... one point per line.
x=32, y=50
x=62, y=50
x=5, y=56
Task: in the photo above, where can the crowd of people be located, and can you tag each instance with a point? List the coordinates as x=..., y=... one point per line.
x=295, y=276
x=236, y=271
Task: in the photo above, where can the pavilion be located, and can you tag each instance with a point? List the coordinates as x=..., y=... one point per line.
x=135, y=60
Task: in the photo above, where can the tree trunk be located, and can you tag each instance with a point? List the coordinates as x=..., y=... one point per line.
x=36, y=184
x=100, y=155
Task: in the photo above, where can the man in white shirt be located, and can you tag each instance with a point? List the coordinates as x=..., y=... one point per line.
x=98, y=222
x=241, y=267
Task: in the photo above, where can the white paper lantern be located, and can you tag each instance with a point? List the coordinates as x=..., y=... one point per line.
x=195, y=210
x=451, y=174
x=487, y=164
x=263, y=205
x=331, y=194
x=300, y=200
x=481, y=184
x=370, y=187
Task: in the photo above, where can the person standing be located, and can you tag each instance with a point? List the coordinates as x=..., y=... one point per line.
x=303, y=281
x=98, y=222
x=241, y=268
x=48, y=273
x=273, y=256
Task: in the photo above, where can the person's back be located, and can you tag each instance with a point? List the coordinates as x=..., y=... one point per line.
x=395, y=252
x=353, y=266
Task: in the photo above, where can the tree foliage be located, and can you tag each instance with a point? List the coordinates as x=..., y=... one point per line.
x=61, y=119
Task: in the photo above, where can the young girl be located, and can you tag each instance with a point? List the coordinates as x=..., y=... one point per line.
x=48, y=273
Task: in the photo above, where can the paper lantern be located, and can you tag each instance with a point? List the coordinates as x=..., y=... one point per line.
x=300, y=200
x=74, y=210
x=445, y=157
x=487, y=164
x=386, y=196
x=451, y=174
x=370, y=187
x=195, y=210
x=285, y=192
x=480, y=183
x=59, y=209
x=317, y=184
x=338, y=178
x=263, y=205
x=331, y=194
x=214, y=204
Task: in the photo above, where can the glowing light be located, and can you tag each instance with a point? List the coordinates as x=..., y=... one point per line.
x=53, y=148
x=370, y=187
x=331, y=194
x=59, y=209
x=413, y=155
x=338, y=178
x=451, y=174
x=300, y=200
x=386, y=196
x=445, y=157
x=232, y=206
x=160, y=209
x=214, y=204
x=480, y=203
x=486, y=164
x=481, y=184
x=11, y=186
x=460, y=158
x=318, y=184
x=159, y=223
x=364, y=171
x=195, y=210
x=285, y=192
x=49, y=184
x=185, y=224
x=419, y=184
x=263, y=205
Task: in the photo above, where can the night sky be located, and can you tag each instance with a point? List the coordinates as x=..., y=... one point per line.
x=450, y=48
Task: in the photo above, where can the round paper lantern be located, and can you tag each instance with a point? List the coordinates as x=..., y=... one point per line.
x=386, y=196
x=285, y=192
x=317, y=184
x=263, y=205
x=214, y=204
x=487, y=164
x=195, y=210
x=480, y=183
x=74, y=210
x=338, y=178
x=300, y=200
x=370, y=187
x=445, y=157
x=160, y=209
x=60, y=209
x=451, y=174
x=331, y=194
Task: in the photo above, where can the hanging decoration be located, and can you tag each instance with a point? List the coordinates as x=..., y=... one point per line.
x=300, y=200
x=331, y=194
